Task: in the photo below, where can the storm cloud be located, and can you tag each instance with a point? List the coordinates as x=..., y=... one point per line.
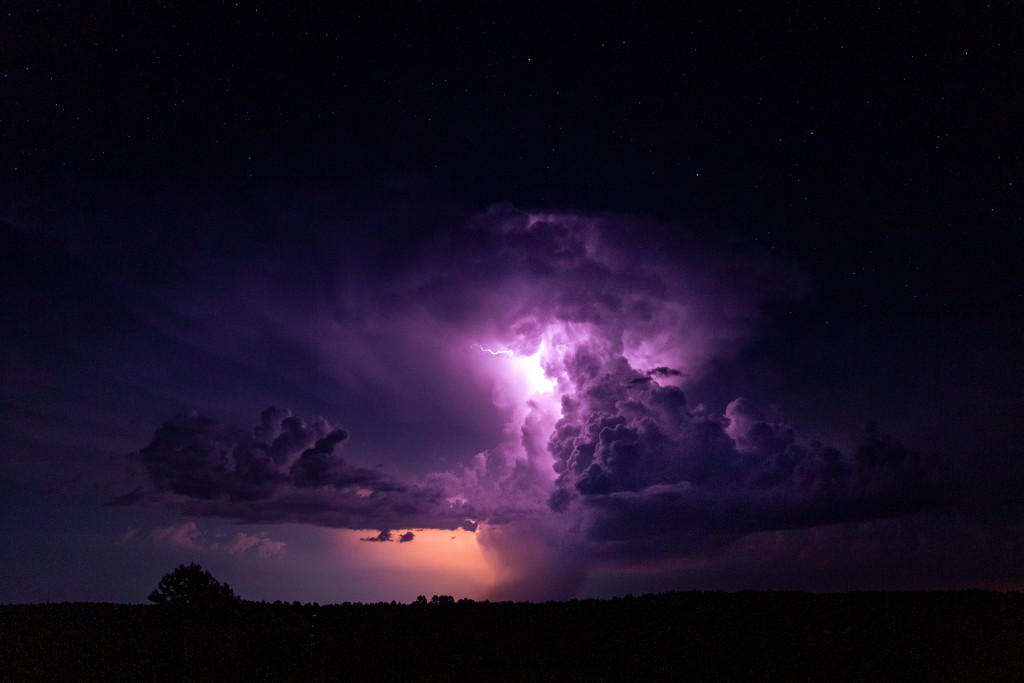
x=655, y=475
x=575, y=339
x=283, y=470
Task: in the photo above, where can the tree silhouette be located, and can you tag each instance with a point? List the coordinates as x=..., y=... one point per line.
x=192, y=585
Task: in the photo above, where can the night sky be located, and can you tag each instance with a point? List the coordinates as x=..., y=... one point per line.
x=470, y=299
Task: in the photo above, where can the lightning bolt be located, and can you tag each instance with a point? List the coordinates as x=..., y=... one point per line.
x=504, y=352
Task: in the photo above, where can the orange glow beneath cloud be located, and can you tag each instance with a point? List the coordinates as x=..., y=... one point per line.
x=436, y=562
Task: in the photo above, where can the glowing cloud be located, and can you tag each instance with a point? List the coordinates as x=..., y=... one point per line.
x=580, y=338
x=521, y=376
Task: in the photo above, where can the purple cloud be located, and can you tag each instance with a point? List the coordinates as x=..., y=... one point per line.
x=283, y=470
x=651, y=475
x=567, y=340
x=188, y=536
x=185, y=535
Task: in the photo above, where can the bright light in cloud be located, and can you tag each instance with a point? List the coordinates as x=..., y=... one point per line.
x=582, y=339
x=519, y=377
x=527, y=368
x=531, y=370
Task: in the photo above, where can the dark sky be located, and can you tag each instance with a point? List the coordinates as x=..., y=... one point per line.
x=588, y=301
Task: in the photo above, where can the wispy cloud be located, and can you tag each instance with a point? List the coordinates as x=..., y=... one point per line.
x=185, y=535
x=189, y=536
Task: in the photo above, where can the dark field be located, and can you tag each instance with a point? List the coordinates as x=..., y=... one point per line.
x=937, y=636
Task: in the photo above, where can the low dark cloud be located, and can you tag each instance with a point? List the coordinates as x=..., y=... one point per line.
x=283, y=470
x=388, y=536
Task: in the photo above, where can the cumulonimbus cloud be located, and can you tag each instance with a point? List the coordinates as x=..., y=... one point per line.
x=588, y=331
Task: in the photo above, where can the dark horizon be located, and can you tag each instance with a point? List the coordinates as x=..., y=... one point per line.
x=777, y=636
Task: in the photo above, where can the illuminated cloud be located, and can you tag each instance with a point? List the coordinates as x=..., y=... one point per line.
x=653, y=476
x=583, y=334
